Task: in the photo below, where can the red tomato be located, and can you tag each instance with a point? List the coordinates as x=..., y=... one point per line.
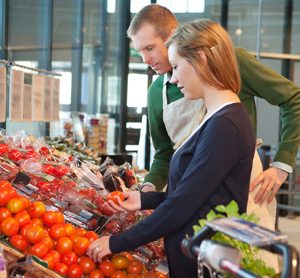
x=64, y=244
x=91, y=236
x=87, y=265
x=35, y=234
x=13, y=193
x=60, y=268
x=4, y=196
x=15, y=155
x=56, y=256
x=25, y=201
x=44, y=151
x=120, y=261
x=40, y=250
x=5, y=184
x=37, y=222
x=74, y=271
x=60, y=217
x=49, y=169
x=133, y=275
x=97, y=274
x=49, y=218
x=37, y=209
x=9, y=226
x=48, y=242
x=4, y=213
x=119, y=274
x=135, y=267
x=81, y=231
x=19, y=242
x=3, y=149
x=49, y=260
x=30, y=154
x=23, y=218
x=44, y=186
x=128, y=256
x=107, y=267
x=69, y=257
x=80, y=246
x=61, y=170
x=70, y=229
x=57, y=231
x=160, y=275
x=113, y=196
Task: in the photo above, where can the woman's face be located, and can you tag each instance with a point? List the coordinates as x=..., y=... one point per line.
x=184, y=75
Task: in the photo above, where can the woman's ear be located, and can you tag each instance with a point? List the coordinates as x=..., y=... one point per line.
x=202, y=56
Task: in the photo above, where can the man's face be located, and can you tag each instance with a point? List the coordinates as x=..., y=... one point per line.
x=152, y=49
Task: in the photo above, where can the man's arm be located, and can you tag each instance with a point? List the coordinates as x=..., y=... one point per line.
x=263, y=82
x=163, y=146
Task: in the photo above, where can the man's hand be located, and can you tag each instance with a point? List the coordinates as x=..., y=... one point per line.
x=270, y=181
x=99, y=248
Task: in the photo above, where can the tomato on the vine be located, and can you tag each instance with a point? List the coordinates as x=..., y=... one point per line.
x=15, y=155
x=3, y=149
x=113, y=196
x=19, y=242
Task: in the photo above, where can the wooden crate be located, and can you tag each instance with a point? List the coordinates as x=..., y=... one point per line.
x=40, y=271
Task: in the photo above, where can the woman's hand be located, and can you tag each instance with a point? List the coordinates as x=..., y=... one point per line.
x=99, y=249
x=132, y=202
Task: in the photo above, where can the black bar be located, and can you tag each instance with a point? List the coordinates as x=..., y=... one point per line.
x=224, y=14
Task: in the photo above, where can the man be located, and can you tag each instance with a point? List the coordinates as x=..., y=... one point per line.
x=149, y=30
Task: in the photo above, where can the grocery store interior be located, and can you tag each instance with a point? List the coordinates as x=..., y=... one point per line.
x=103, y=81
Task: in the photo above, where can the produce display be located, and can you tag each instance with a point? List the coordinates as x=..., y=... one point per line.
x=53, y=204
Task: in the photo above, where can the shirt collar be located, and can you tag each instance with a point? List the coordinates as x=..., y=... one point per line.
x=167, y=77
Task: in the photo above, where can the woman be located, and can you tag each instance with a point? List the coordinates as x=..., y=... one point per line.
x=212, y=166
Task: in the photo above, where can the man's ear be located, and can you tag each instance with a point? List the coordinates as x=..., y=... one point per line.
x=202, y=56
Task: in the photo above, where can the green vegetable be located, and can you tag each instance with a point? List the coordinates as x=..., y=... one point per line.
x=250, y=260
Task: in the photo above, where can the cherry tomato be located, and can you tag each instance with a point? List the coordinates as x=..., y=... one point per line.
x=107, y=267
x=3, y=149
x=74, y=271
x=44, y=150
x=4, y=213
x=37, y=209
x=69, y=257
x=23, y=218
x=15, y=155
x=80, y=246
x=9, y=226
x=39, y=249
x=97, y=274
x=87, y=265
x=35, y=234
x=120, y=261
x=19, y=242
x=57, y=231
x=91, y=236
x=113, y=196
x=135, y=267
x=64, y=244
x=60, y=268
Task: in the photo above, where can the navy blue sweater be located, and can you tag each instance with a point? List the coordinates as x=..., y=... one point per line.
x=212, y=168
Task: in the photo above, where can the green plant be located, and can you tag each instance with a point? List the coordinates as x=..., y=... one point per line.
x=250, y=260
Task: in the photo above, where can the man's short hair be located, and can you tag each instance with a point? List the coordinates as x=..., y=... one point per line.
x=159, y=16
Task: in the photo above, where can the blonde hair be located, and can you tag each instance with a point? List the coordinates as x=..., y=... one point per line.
x=221, y=70
x=163, y=20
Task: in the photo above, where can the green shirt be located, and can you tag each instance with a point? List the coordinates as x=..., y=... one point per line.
x=258, y=80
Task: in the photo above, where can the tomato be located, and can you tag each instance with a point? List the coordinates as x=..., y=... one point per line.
x=23, y=218
x=35, y=234
x=57, y=231
x=133, y=275
x=107, y=267
x=19, y=242
x=61, y=170
x=49, y=169
x=91, y=236
x=4, y=213
x=60, y=268
x=81, y=231
x=113, y=196
x=30, y=154
x=15, y=155
x=5, y=184
x=135, y=267
x=80, y=246
x=37, y=209
x=60, y=217
x=3, y=149
x=39, y=249
x=48, y=242
x=13, y=193
x=97, y=274
x=160, y=275
x=44, y=186
x=44, y=150
x=74, y=271
x=9, y=226
x=149, y=274
x=120, y=261
x=37, y=222
x=49, y=260
x=69, y=257
x=49, y=218
x=87, y=265
x=119, y=274
x=4, y=196
x=70, y=229
x=128, y=256
x=25, y=201
x=64, y=244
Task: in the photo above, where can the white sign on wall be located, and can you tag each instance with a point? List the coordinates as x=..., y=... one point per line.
x=2, y=94
x=38, y=97
x=16, y=95
x=47, y=98
x=27, y=97
x=55, y=99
